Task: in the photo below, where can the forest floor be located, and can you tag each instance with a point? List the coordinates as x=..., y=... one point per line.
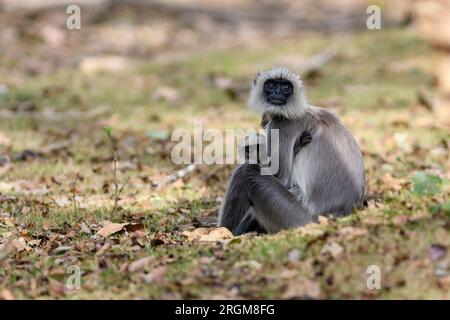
x=57, y=181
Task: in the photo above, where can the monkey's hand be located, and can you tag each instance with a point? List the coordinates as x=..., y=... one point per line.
x=254, y=149
x=303, y=140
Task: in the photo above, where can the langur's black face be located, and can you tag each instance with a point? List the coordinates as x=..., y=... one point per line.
x=277, y=92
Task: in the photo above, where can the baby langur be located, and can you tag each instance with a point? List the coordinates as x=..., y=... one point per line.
x=320, y=166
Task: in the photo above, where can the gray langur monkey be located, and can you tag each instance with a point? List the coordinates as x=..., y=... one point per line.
x=320, y=170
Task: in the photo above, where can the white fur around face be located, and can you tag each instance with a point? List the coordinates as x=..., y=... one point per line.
x=293, y=109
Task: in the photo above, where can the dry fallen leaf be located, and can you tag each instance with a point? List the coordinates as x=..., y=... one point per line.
x=6, y=249
x=103, y=249
x=62, y=249
x=302, y=288
x=141, y=264
x=312, y=229
x=106, y=63
x=132, y=227
x=208, y=234
x=179, y=183
x=400, y=220
x=5, y=294
x=57, y=288
x=63, y=202
x=8, y=222
x=444, y=282
x=249, y=264
x=157, y=276
x=110, y=229
x=372, y=221
x=323, y=221
x=333, y=248
x=85, y=229
x=20, y=244
x=350, y=233
x=287, y=274
x=140, y=238
x=392, y=183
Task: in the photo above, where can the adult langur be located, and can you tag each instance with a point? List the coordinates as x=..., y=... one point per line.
x=320, y=167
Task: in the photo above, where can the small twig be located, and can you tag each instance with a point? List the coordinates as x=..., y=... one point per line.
x=174, y=177
x=117, y=190
x=117, y=187
x=73, y=190
x=44, y=151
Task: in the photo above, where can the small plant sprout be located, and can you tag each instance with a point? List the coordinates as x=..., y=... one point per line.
x=118, y=188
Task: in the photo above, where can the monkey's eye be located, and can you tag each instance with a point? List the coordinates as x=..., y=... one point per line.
x=286, y=87
x=270, y=85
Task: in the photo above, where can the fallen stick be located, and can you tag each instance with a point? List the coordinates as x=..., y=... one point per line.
x=313, y=64
x=32, y=154
x=177, y=175
x=49, y=114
